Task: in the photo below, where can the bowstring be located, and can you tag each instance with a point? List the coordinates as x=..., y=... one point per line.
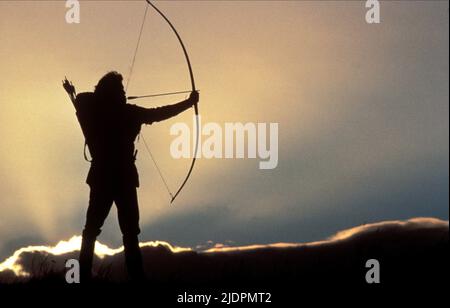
x=157, y=167
x=137, y=48
x=126, y=89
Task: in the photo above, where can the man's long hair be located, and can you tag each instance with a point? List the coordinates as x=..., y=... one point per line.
x=109, y=87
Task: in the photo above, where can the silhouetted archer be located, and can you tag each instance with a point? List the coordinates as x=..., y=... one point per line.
x=110, y=126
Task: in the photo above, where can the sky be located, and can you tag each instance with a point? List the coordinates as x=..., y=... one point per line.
x=362, y=112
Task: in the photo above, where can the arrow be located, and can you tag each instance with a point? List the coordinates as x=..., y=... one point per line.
x=156, y=95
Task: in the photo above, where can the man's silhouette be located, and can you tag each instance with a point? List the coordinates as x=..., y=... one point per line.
x=110, y=126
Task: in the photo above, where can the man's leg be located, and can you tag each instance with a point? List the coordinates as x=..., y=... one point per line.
x=128, y=212
x=100, y=202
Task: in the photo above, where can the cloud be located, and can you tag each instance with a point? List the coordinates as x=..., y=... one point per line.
x=14, y=263
x=410, y=225
x=386, y=227
x=417, y=239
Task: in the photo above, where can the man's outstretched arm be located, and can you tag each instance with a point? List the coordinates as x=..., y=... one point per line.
x=150, y=115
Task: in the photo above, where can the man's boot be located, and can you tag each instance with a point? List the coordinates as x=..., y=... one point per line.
x=86, y=257
x=133, y=258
